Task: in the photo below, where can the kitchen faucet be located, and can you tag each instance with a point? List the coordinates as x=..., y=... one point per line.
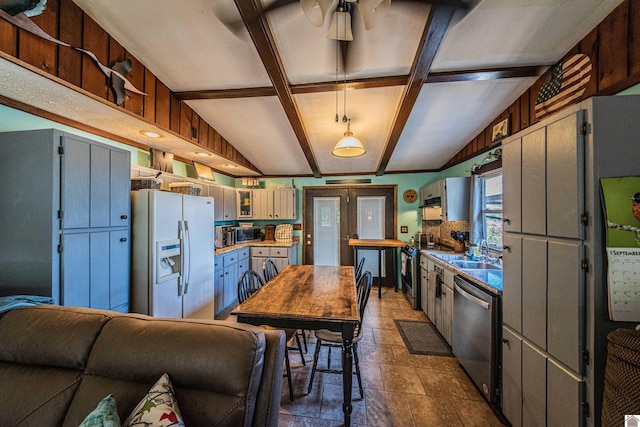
x=485, y=254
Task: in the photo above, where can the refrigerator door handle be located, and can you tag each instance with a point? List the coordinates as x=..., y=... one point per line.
x=181, y=237
x=187, y=275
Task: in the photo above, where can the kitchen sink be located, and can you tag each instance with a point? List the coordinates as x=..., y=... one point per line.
x=473, y=265
x=450, y=257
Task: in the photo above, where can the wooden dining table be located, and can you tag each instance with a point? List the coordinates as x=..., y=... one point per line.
x=310, y=297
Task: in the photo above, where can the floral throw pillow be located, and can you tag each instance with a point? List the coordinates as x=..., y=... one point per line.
x=159, y=408
x=105, y=414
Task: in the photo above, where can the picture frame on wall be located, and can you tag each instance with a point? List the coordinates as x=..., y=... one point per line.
x=203, y=171
x=500, y=130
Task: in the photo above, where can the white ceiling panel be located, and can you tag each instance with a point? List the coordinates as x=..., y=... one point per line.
x=259, y=129
x=440, y=125
x=371, y=112
x=185, y=44
x=500, y=33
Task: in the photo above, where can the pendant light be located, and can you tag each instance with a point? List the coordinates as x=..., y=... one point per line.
x=349, y=145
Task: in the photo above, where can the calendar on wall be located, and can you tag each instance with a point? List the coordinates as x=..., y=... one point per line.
x=621, y=202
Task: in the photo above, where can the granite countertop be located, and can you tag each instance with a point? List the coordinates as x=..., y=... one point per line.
x=491, y=280
x=220, y=251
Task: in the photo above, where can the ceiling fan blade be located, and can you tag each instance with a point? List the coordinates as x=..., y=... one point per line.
x=458, y=4
x=315, y=10
x=372, y=10
x=277, y=5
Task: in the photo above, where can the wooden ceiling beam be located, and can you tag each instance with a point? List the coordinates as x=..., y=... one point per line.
x=263, y=40
x=440, y=17
x=369, y=83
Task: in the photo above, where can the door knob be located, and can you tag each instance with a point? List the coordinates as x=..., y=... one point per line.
x=308, y=235
x=308, y=242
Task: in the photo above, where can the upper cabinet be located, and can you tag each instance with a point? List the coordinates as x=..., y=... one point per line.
x=451, y=195
x=543, y=180
x=267, y=204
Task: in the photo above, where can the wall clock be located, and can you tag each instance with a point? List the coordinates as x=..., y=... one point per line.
x=410, y=196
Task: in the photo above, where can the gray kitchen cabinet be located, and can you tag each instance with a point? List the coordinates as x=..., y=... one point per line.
x=565, y=177
x=565, y=303
x=69, y=229
x=512, y=377
x=534, y=290
x=277, y=204
x=424, y=284
x=245, y=204
x=263, y=203
x=512, y=186
x=229, y=209
x=564, y=396
x=284, y=203
x=453, y=194
x=564, y=291
x=534, y=217
x=512, y=274
x=281, y=256
x=228, y=269
x=534, y=388
x=431, y=290
x=218, y=284
x=447, y=305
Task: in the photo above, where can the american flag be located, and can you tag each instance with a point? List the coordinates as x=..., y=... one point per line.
x=566, y=85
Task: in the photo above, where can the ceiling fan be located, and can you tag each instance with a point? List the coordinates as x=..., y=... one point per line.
x=371, y=11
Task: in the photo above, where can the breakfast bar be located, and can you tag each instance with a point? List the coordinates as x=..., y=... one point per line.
x=379, y=245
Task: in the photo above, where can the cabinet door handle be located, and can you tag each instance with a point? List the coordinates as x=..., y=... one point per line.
x=123, y=239
x=506, y=220
x=506, y=248
x=506, y=341
x=123, y=217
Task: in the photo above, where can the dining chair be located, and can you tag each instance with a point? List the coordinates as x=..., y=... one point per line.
x=359, y=269
x=269, y=271
x=249, y=283
x=331, y=339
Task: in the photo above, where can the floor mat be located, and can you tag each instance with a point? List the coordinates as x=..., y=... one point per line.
x=422, y=338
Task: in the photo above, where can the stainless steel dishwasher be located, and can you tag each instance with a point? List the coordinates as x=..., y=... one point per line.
x=476, y=334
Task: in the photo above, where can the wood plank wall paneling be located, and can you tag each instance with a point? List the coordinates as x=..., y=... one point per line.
x=8, y=36
x=134, y=102
x=70, y=31
x=614, y=49
x=96, y=40
x=36, y=51
x=634, y=38
x=612, y=52
x=149, y=101
x=64, y=20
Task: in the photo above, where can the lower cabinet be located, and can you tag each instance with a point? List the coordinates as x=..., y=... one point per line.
x=281, y=256
x=228, y=269
x=100, y=259
x=447, y=306
x=537, y=390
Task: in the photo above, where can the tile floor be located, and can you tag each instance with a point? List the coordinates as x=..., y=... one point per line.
x=400, y=389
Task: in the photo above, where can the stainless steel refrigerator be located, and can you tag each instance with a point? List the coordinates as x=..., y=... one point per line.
x=172, y=254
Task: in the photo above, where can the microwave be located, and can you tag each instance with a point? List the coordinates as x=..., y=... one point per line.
x=248, y=234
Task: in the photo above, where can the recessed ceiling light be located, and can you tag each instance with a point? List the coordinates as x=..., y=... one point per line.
x=231, y=166
x=150, y=134
x=203, y=154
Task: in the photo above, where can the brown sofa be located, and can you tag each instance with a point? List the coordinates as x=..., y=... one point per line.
x=57, y=363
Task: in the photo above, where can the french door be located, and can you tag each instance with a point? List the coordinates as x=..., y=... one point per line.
x=333, y=215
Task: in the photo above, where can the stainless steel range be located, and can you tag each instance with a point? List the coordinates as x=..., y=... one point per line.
x=410, y=273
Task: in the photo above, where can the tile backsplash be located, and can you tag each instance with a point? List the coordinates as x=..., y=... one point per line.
x=442, y=230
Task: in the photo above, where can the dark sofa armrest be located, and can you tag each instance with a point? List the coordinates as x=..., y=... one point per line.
x=269, y=393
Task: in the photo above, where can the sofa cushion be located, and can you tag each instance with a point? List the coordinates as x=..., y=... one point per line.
x=215, y=368
x=43, y=351
x=105, y=414
x=50, y=335
x=159, y=407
